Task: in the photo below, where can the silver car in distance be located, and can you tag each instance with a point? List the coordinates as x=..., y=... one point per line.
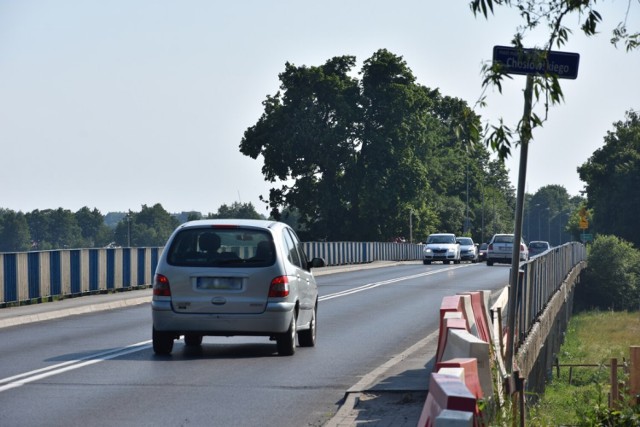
x=229, y=277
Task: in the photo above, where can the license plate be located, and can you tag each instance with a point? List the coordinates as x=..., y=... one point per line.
x=225, y=283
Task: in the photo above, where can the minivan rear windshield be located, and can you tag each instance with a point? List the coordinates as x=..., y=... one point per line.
x=222, y=247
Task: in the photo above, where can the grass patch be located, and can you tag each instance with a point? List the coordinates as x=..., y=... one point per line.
x=593, y=337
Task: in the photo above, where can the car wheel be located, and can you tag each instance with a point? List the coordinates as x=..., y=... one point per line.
x=162, y=342
x=286, y=343
x=307, y=338
x=192, y=340
x=445, y=262
x=489, y=263
x=457, y=261
x=425, y=262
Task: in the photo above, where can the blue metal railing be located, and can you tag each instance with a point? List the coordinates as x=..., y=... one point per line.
x=34, y=276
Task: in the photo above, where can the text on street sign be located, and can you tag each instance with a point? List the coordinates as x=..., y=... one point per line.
x=537, y=61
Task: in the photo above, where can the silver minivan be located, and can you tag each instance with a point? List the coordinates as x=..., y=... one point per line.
x=227, y=277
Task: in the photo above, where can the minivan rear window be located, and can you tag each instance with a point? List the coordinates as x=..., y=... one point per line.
x=222, y=247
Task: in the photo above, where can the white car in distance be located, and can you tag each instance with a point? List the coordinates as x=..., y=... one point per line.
x=441, y=247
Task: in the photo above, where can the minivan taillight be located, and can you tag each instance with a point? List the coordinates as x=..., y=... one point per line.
x=279, y=287
x=521, y=248
x=161, y=286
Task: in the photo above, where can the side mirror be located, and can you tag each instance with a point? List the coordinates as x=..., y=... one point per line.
x=315, y=263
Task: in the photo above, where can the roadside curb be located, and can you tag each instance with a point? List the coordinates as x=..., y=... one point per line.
x=43, y=311
x=365, y=393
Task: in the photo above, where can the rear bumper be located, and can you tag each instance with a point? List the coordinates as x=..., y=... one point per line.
x=505, y=259
x=274, y=320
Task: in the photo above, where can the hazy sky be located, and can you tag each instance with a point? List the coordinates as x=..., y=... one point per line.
x=115, y=104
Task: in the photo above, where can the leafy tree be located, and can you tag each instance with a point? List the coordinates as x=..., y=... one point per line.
x=94, y=231
x=307, y=136
x=546, y=87
x=14, y=231
x=112, y=219
x=237, y=210
x=572, y=226
x=188, y=216
x=612, y=177
x=357, y=158
x=64, y=230
x=390, y=174
x=54, y=229
x=612, y=279
x=152, y=226
x=39, y=228
x=545, y=209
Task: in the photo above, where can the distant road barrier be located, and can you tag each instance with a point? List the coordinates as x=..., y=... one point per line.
x=31, y=277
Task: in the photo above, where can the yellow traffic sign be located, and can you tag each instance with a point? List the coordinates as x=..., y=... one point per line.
x=584, y=224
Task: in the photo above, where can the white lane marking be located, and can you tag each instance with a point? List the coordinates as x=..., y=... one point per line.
x=38, y=374
x=387, y=282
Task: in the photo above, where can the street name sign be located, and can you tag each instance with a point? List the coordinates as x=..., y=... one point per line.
x=537, y=61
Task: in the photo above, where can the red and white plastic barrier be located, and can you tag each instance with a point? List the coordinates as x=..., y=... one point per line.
x=464, y=362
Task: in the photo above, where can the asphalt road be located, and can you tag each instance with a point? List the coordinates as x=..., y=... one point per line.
x=98, y=369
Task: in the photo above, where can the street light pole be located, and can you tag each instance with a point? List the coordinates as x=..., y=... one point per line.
x=538, y=205
x=410, y=225
x=129, y=228
x=549, y=225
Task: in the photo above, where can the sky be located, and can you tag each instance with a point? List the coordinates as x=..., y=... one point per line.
x=118, y=104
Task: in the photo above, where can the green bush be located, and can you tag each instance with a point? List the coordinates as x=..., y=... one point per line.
x=610, y=281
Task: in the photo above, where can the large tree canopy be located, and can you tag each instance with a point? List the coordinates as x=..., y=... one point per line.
x=612, y=177
x=357, y=158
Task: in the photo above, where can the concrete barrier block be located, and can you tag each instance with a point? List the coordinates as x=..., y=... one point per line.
x=449, y=323
x=486, y=303
x=453, y=315
x=450, y=304
x=482, y=331
x=471, y=377
x=462, y=344
x=450, y=418
x=467, y=310
x=445, y=392
x=453, y=371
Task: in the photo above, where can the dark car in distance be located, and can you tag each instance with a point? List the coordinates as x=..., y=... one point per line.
x=482, y=252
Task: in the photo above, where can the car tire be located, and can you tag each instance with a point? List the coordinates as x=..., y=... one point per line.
x=307, y=338
x=192, y=340
x=489, y=263
x=425, y=262
x=286, y=343
x=162, y=342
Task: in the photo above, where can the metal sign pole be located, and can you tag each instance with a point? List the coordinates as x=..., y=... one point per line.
x=525, y=136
